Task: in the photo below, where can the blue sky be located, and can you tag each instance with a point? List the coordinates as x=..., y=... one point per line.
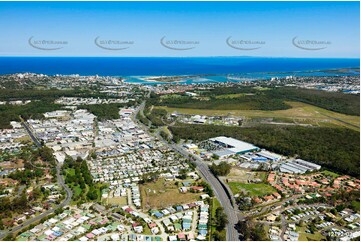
x=272, y=25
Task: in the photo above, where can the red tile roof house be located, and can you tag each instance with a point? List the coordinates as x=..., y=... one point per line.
x=271, y=178
x=277, y=195
x=257, y=200
x=315, y=184
x=301, y=182
x=90, y=235
x=129, y=210
x=192, y=205
x=135, y=224
x=268, y=198
x=181, y=236
x=190, y=236
x=50, y=237
x=336, y=184
x=104, y=221
x=152, y=225
x=279, y=188
x=348, y=189
x=197, y=188
x=325, y=181
x=345, y=177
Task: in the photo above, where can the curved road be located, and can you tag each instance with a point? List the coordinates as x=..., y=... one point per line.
x=64, y=203
x=232, y=233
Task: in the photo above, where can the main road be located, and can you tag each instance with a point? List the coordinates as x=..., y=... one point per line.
x=208, y=176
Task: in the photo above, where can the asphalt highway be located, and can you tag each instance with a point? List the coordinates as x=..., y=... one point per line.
x=219, y=192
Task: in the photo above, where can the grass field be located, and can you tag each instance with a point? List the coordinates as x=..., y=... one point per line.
x=254, y=190
x=162, y=193
x=300, y=113
x=232, y=95
x=24, y=140
x=317, y=236
x=120, y=201
x=173, y=96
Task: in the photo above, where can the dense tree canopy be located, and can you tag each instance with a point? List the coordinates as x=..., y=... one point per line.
x=268, y=99
x=222, y=169
x=335, y=148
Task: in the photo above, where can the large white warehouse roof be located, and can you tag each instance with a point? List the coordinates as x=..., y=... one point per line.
x=234, y=145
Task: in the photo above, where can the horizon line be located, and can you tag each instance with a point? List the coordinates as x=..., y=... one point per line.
x=216, y=56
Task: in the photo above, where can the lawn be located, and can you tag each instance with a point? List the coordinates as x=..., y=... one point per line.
x=330, y=173
x=77, y=191
x=162, y=193
x=147, y=231
x=300, y=113
x=259, y=189
x=70, y=171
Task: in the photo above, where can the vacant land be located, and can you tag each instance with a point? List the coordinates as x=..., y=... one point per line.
x=162, y=193
x=120, y=201
x=243, y=176
x=299, y=113
x=253, y=190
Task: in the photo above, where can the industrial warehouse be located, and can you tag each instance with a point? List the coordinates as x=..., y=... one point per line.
x=299, y=166
x=232, y=146
x=249, y=156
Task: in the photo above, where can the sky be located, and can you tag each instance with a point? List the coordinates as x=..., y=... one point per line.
x=269, y=29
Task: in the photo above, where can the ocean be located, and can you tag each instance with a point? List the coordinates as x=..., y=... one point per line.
x=134, y=67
